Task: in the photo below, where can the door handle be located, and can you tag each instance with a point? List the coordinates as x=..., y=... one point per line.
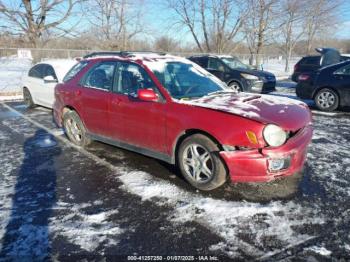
x=77, y=92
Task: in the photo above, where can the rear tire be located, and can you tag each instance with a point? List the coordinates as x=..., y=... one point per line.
x=75, y=129
x=327, y=100
x=27, y=97
x=200, y=163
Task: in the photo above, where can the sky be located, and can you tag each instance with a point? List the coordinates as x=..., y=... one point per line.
x=158, y=20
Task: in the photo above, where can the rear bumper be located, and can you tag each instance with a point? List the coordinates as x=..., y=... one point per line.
x=269, y=87
x=304, y=90
x=252, y=165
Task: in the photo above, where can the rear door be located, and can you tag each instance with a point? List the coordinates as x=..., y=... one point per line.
x=216, y=67
x=133, y=121
x=35, y=83
x=93, y=96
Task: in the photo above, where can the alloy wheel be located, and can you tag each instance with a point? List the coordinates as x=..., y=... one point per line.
x=198, y=163
x=73, y=130
x=326, y=99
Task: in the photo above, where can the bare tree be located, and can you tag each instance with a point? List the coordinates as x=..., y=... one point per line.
x=321, y=15
x=34, y=19
x=258, y=26
x=165, y=43
x=292, y=15
x=116, y=22
x=213, y=24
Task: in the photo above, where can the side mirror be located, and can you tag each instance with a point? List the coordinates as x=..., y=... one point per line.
x=50, y=79
x=147, y=95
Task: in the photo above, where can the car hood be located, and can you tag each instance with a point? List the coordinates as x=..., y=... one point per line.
x=288, y=113
x=255, y=72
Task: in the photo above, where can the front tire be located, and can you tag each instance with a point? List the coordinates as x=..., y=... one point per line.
x=234, y=85
x=27, y=97
x=327, y=100
x=200, y=163
x=75, y=129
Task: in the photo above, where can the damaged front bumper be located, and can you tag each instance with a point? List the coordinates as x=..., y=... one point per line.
x=269, y=163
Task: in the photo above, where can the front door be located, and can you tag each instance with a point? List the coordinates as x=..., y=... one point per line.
x=133, y=121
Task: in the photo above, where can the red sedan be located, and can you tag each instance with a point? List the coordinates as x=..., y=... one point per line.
x=169, y=108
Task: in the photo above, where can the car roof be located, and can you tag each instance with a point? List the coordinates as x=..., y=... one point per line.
x=138, y=57
x=210, y=55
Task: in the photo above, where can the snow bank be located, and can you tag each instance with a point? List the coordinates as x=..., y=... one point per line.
x=12, y=70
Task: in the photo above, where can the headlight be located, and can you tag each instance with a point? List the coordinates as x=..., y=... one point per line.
x=250, y=77
x=274, y=135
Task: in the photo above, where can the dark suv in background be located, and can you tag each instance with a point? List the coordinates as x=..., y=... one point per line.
x=310, y=64
x=236, y=74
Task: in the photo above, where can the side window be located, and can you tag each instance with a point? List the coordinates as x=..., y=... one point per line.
x=49, y=71
x=131, y=77
x=101, y=76
x=215, y=64
x=203, y=62
x=345, y=70
x=36, y=71
x=75, y=70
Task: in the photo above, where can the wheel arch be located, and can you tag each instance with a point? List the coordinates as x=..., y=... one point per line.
x=323, y=87
x=187, y=133
x=25, y=87
x=241, y=84
x=68, y=108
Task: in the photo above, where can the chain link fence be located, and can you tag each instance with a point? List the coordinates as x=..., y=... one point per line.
x=15, y=63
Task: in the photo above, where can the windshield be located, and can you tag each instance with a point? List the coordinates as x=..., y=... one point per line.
x=234, y=62
x=185, y=80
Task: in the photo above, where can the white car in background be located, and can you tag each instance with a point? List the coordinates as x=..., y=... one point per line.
x=39, y=84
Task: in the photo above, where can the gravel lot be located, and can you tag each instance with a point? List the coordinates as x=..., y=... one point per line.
x=68, y=203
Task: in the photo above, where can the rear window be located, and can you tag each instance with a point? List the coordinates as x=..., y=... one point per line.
x=75, y=70
x=312, y=60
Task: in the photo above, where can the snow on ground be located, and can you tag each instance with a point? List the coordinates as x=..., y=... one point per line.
x=277, y=67
x=12, y=70
x=11, y=97
x=85, y=230
x=320, y=250
x=229, y=219
x=26, y=196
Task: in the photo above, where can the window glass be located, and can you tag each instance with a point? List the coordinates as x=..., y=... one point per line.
x=312, y=60
x=74, y=71
x=215, y=64
x=101, y=76
x=131, y=77
x=184, y=80
x=49, y=71
x=36, y=71
x=234, y=62
x=345, y=70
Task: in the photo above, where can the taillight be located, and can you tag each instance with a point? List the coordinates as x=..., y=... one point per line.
x=303, y=77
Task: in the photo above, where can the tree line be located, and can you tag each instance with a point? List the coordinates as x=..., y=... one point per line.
x=211, y=26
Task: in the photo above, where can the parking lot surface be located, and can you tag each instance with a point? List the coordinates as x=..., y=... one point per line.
x=60, y=201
